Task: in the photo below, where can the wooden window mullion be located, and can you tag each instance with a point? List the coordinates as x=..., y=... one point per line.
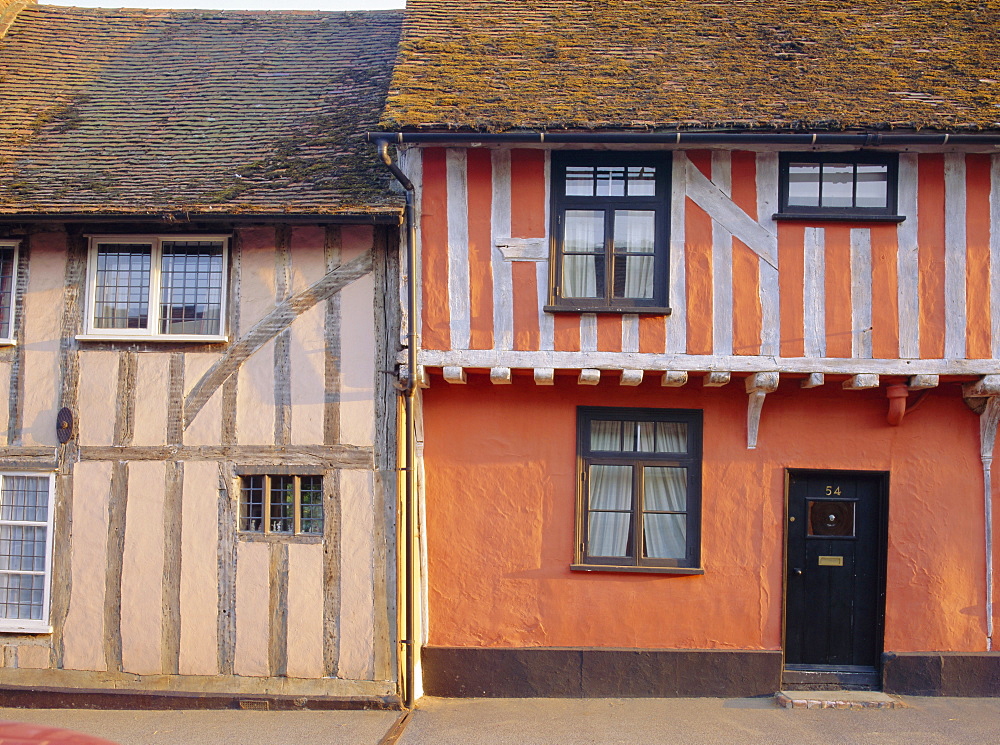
x=267, y=504
x=297, y=505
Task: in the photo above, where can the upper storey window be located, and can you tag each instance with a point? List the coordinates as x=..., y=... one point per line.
x=610, y=214
x=8, y=280
x=161, y=288
x=838, y=186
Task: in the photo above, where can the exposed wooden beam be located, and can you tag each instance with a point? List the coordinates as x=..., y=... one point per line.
x=454, y=374
x=716, y=379
x=988, y=385
x=860, y=382
x=631, y=377
x=921, y=382
x=501, y=376
x=814, y=380
x=545, y=376
x=758, y=386
x=674, y=378
x=589, y=376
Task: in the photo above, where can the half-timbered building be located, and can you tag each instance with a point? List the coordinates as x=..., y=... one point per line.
x=709, y=323
x=198, y=292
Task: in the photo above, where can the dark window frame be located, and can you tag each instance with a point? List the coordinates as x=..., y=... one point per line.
x=659, y=203
x=266, y=526
x=800, y=212
x=691, y=460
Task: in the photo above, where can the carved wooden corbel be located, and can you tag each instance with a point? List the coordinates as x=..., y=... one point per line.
x=758, y=386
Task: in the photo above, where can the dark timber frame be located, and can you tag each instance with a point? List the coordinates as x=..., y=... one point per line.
x=660, y=203
x=882, y=214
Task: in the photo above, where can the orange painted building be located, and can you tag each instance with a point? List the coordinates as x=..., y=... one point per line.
x=704, y=409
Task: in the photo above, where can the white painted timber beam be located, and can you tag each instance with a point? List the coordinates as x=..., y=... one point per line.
x=501, y=376
x=758, y=386
x=716, y=379
x=453, y=374
x=589, y=376
x=922, y=382
x=631, y=377
x=861, y=382
x=674, y=378
x=814, y=380
x=697, y=364
x=545, y=376
x=423, y=379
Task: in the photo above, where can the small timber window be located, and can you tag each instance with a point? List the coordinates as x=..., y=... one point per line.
x=169, y=288
x=610, y=215
x=639, y=503
x=281, y=504
x=8, y=280
x=834, y=186
x=25, y=552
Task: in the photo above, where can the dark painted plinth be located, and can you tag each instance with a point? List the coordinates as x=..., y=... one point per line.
x=594, y=673
x=942, y=673
x=79, y=698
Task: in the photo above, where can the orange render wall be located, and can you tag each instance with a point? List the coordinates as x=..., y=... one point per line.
x=500, y=492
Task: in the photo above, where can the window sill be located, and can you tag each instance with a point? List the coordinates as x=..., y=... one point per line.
x=279, y=537
x=22, y=627
x=635, y=570
x=837, y=217
x=8, y=342
x=644, y=310
x=166, y=338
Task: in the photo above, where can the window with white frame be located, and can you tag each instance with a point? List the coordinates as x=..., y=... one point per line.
x=164, y=287
x=25, y=551
x=8, y=279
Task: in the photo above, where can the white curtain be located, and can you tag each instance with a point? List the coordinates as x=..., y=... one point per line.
x=665, y=491
x=584, y=235
x=635, y=232
x=610, y=489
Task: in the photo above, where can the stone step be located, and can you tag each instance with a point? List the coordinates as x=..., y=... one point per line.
x=838, y=700
x=829, y=680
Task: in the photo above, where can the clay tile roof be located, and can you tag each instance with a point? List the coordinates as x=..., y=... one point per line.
x=138, y=111
x=730, y=64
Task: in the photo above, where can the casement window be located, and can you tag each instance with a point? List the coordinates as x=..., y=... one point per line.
x=835, y=186
x=8, y=280
x=170, y=288
x=281, y=504
x=25, y=552
x=639, y=506
x=610, y=215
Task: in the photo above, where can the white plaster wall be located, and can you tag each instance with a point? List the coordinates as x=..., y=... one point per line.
x=200, y=569
x=83, y=634
x=142, y=569
x=308, y=376
x=357, y=344
x=34, y=656
x=151, y=383
x=305, y=610
x=357, y=615
x=252, y=609
x=97, y=397
x=206, y=429
x=255, y=398
x=257, y=288
x=43, y=308
x=308, y=260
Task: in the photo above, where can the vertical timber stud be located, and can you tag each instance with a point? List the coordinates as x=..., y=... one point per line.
x=15, y=402
x=173, y=505
x=331, y=480
x=68, y=454
x=758, y=386
x=117, y=503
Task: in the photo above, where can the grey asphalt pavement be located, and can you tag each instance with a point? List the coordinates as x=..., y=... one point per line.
x=701, y=721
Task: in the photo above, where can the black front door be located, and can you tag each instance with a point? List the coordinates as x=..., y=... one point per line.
x=835, y=558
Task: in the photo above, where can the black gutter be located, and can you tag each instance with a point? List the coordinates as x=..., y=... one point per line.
x=408, y=501
x=867, y=139
x=184, y=218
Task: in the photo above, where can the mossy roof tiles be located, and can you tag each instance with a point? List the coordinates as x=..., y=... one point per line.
x=137, y=111
x=497, y=65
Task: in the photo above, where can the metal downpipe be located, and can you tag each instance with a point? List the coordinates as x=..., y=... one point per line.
x=408, y=643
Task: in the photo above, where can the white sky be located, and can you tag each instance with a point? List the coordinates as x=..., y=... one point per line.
x=235, y=4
